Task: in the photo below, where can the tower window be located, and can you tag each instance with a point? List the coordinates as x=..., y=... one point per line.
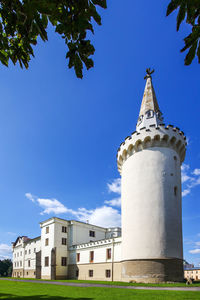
x=175, y=158
x=175, y=190
x=47, y=229
x=149, y=114
x=78, y=257
x=46, y=242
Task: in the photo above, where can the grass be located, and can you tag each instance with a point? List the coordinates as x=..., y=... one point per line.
x=31, y=291
x=119, y=283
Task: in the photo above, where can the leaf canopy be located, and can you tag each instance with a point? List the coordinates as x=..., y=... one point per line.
x=189, y=10
x=23, y=21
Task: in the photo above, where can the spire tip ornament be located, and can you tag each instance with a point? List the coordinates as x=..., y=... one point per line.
x=149, y=72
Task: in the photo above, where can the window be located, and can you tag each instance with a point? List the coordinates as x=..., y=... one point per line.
x=46, y=242
x=175, y=191
x=20, y=263
x=25, y=252
x=29, y=263
x=34, y=250
x=92, y=233
x=17, y=254
x=108, y=273
x=77, y=273
x=26, y=273
x=149, y=114
x=108, y=253
x=90, y=273
x=47, y=229
x=46, y=261
x=64, y=241
x=29, y=251
x=175, y=158
x=63, y=261
x=78, y=257
x=91, y=256
x=64, y=229
x=21, y=253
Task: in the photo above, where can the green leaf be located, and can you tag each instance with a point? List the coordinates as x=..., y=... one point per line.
x=181, y=15
x=191, y=54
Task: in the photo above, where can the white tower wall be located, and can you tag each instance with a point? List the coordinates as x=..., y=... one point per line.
x=151, y=205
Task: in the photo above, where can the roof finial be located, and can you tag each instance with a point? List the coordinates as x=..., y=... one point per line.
x=149, y=72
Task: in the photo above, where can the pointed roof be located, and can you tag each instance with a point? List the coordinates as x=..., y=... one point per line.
x=149, y=101
x=150, y=113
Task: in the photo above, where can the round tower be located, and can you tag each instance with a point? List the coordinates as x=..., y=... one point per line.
x=149, y=162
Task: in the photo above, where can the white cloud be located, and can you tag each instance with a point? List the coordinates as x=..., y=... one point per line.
x=189, y=179
x=30, y=197
x=5, y=251
x=115, y=186
x=186, y=192
x=197, y=243
x=196, y=172
x=195, y=251
x=51, y=206
x=114, y=202
x=48, y=205
x=104, y=216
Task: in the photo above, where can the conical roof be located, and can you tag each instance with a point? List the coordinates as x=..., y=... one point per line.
x=149, y=101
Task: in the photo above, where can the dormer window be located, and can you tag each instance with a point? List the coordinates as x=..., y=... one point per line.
x=159, y=115
x=140, y=119
x=149, y=114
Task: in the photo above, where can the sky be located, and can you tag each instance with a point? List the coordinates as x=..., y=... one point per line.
x=59, y=135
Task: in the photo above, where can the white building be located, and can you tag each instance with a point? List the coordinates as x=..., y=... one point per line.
x=69, y=249
x=150, y=248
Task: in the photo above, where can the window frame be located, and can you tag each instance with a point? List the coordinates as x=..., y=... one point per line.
x=92, y=233
x=91, y=257
x=46, y=261
x=108, y=273
x=64, y=241
x=90, y=273
x=63, y=261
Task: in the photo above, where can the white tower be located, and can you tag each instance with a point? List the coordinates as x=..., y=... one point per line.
x=149, y=162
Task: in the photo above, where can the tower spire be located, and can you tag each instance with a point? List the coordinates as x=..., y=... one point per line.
x=150, y=113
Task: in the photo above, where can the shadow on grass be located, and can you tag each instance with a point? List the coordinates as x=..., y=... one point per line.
x=39, y=297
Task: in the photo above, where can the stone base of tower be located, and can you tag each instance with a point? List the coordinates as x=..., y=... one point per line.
x=153, y=270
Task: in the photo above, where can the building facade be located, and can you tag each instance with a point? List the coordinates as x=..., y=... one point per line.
x=150, y=248
x=192, y=273
x=69, y=249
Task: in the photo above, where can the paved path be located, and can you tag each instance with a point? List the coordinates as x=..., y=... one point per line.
x=130, y=287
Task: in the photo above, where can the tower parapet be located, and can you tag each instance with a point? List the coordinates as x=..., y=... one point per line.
x=149, y=162
x=161, y=136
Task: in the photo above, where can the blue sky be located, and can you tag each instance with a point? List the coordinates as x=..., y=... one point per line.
x=59, y=135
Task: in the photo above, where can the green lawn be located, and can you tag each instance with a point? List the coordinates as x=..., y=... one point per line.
x=38, y=291
x=177, y=284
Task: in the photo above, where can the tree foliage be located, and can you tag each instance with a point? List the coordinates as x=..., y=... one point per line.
x=189, y=10
x=23, y=21
x=6, y=267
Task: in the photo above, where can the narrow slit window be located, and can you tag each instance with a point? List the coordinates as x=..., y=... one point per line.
x=175, y=190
